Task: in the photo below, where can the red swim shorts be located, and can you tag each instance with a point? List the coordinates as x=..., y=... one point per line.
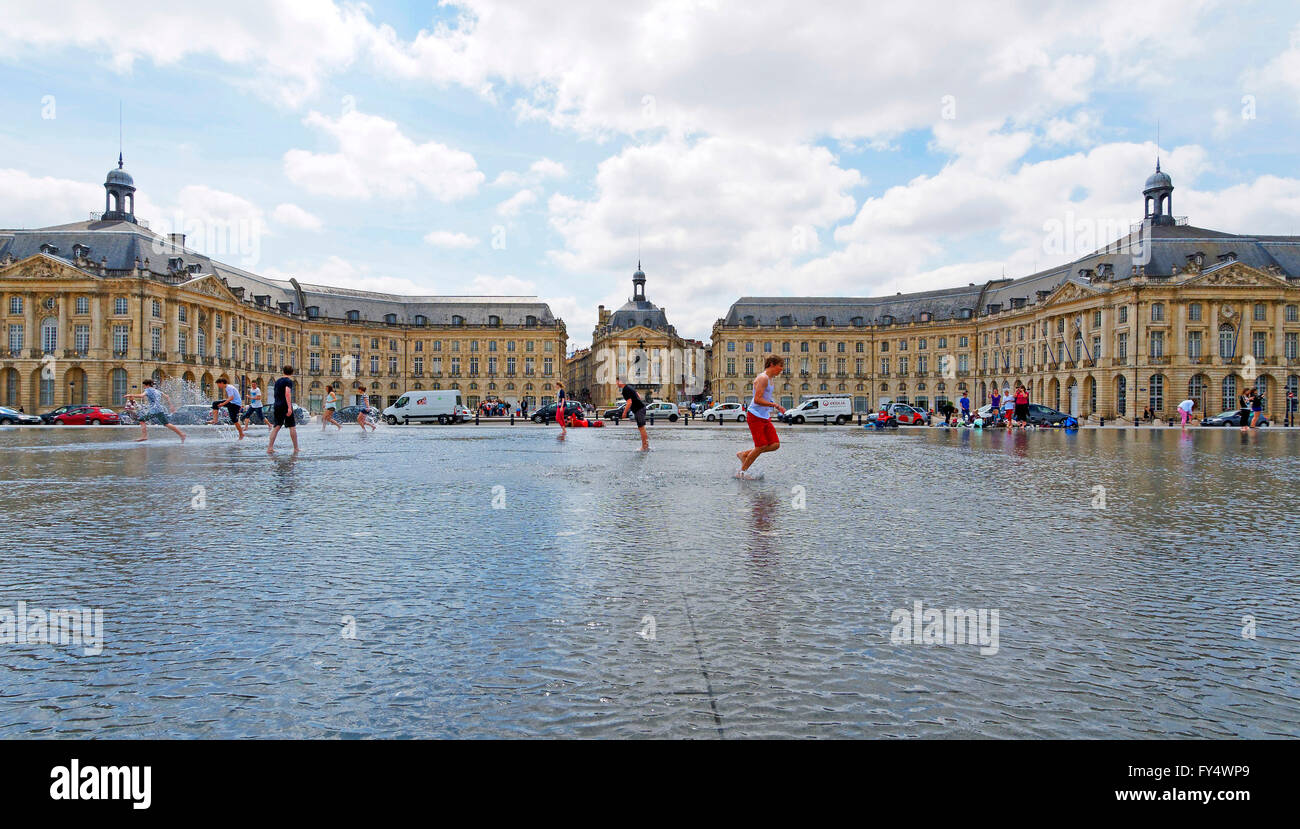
x=762, y=429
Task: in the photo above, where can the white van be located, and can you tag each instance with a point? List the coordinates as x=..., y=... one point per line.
x=837, y=410
x=428, y=405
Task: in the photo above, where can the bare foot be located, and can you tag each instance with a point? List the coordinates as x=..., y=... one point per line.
x=142, y=440
x=270, y=451
x=741, y=455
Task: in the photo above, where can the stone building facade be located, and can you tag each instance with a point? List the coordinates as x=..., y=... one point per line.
x=1167, y=312
x=637, y=341
x=90, y=309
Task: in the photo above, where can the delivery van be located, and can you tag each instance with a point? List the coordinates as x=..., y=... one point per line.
x=427, y=406
x=837, y=410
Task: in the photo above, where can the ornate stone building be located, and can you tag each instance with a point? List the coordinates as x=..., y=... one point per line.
x=90, y=309
x=1168, y=311
x=637, y=340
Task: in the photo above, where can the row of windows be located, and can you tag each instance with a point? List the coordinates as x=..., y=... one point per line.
x=349, y=363
x=418, y=346
x=420, y=320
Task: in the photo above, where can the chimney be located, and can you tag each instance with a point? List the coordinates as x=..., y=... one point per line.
x=177, y=239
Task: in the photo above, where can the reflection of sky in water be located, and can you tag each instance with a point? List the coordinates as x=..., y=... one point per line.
x=770, y=620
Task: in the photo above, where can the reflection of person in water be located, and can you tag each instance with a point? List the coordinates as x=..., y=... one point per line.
x=763, y=508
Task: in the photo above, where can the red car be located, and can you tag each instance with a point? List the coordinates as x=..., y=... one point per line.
x=86, y=415
x=903, y=413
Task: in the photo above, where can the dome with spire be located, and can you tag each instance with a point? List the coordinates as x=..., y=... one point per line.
x=1158, y=180
x=119, y=195
x=638, y=310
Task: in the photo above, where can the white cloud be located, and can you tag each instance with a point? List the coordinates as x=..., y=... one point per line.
x=337, y=272
x=516, y=203
x=538, y=172
x=293, y=216
x=288, y=45
x=450, y=240
x=785, y=71
x=485, y=285
x=376, y=159
x=40, y=201
x=716, y=217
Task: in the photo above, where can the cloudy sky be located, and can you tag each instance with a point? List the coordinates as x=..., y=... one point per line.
x=745, y=148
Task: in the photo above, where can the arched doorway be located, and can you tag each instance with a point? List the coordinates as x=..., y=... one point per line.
x=1090, y=395
x=206, y=385
x=1054, y=394
x=1072, y=397
x=1198, y=391
x=74, y=380
x=11, y=387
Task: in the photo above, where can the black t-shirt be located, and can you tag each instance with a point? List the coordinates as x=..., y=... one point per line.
x=278, y=394
x=629, y=393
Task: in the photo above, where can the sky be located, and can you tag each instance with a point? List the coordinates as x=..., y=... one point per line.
x=761, y=148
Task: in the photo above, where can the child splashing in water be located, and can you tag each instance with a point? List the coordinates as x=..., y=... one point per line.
x=759, y=417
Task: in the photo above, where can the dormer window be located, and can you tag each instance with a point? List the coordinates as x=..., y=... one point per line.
x=494, y=321
x=925, y=316
x=858, y=322
x=354, y=316
x=749, y=320
x=457, y=319
x=886, y=319
x=1230, y=256
x=530, y=321
x=391, y=319
x=821, y=322
x=421, y=319
x=966, y=313
x=787, y=321
x=48, y=248
x=195, y=268
x=313, y=312
x=174, y=263
x=80, y=251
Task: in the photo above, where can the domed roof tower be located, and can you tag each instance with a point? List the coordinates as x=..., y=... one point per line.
x=1159, y=195
x=119, y=195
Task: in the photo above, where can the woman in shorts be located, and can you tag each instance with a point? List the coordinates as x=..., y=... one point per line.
x=331, y=405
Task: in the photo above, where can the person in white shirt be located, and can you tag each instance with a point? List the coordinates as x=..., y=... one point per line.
x=1185, y=411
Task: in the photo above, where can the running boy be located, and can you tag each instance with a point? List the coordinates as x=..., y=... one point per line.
x=228, y=397
x=363, y=400
x=759, y=416
x=155, y=410
x=331, y=405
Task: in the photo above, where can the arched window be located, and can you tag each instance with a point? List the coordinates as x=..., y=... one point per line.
x=49, y=335
x=494, y=321
x=391, y=319
x=1229, y=392
x=530, y=321
x=456, y=319
x=421, y=319
x=1227, y=341
x=354, y=316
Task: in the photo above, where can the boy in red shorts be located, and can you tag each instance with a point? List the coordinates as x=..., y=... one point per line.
x=759, y=416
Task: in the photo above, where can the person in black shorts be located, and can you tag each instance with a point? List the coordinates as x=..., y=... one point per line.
x=228, y=398
x=635, y=405
x=282, y=411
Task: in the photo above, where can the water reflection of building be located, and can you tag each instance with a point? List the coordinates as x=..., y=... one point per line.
x=90, y=309
x=1167, y=311
x=637, y=339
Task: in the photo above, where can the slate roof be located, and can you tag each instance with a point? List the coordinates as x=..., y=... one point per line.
x=1169, y=245
x=121, y=243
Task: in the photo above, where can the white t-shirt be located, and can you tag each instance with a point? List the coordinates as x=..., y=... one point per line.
x=1186, y=406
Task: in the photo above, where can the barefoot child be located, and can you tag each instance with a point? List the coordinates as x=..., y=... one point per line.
x=759, y=416
x=156, y=407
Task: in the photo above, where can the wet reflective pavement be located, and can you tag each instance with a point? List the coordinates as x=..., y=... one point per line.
x=503, y=583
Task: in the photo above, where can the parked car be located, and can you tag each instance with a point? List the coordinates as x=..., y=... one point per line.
x=1230, y=418
x=348, y=414
x=48, y=417
x=546, y=414
x=615, y=411
x=834, y=409
x=87, y=416
x=902, y=413
x=13, y=417
x=1040, y=415
x=662, y=411
x=726, y=411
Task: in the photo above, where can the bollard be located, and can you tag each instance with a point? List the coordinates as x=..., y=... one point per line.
x=512, y=418
x=652, y=419
x=476, y=413
x=859, y=418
